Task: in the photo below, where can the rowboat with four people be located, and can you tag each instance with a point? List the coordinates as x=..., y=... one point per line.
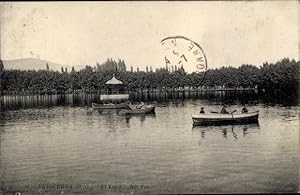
x=214, y=118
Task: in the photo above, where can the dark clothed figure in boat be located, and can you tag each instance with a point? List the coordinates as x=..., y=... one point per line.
x=244, y=109
x=202, y=111
x=224, y=111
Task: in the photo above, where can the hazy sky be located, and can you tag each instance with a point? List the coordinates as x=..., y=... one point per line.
x=230, y=33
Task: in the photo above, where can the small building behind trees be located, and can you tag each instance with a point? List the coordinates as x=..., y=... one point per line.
x=114, y=91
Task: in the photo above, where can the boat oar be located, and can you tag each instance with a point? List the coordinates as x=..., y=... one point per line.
x=234, y=134
x=232, y=113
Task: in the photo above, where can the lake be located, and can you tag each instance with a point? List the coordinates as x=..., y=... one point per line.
x=69, y=149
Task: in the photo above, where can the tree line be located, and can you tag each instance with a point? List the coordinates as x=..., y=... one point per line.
x=279, y=77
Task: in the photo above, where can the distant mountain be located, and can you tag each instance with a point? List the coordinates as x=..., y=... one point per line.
x=31, y=64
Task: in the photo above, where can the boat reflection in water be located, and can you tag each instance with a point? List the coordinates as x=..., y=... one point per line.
x=142, y=117
x=113, y=116
x=228, y=130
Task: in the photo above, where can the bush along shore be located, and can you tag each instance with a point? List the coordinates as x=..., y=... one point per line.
x=280, y=78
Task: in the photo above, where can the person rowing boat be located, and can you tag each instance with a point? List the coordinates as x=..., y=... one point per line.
x=224, y=111
x=244, y=109
x=202, y=110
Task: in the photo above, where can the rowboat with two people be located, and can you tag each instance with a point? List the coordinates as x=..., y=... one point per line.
x=139, y=109
x=110, y=105
x=224, y=117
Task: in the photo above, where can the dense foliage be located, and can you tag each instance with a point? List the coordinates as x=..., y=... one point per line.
x=281, y=76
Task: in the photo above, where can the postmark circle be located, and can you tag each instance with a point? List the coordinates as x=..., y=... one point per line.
x=183, y=52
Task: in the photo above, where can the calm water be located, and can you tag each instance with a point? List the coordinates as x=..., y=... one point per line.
x=85, y=149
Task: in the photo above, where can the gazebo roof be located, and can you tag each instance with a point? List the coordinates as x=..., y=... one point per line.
x=114, y=81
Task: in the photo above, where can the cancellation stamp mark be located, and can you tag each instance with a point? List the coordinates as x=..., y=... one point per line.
x=183, y=52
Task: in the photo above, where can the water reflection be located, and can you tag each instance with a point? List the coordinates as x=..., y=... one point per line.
x=227, y=130
x=224, y=133
x=234, y=134
x=141, y=118
x=113, y=118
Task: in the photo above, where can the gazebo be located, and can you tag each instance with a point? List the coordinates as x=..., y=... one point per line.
x=114, y=90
